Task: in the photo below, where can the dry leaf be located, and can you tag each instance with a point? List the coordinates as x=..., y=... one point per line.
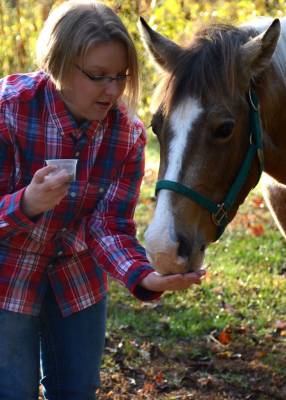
x=257, y=230
x=258, y=202
x=260, y=354
x=280, y=325
x=148, y=388
x=224, y=337
x=159, y=378
x=228, y=308
x=225, y=354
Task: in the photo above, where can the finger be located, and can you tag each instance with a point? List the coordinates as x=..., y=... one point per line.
x=181, y=281
x=200, y=272
x=61, y=187
x=57, y=195
x=179, y=278
x=62, y=179
x=194, y=276
x=42, y=173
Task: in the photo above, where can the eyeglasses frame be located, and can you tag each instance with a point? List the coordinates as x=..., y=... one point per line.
x=103, y=79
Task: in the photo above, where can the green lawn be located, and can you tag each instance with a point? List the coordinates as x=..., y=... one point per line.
x=242, y=301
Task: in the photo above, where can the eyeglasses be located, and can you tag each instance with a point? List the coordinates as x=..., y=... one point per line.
x=103, y=80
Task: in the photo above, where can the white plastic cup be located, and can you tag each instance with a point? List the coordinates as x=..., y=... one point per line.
x=68, y=164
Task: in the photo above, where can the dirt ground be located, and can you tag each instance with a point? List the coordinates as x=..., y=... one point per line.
x=243, y=369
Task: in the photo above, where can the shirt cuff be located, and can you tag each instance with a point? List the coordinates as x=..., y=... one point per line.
x=133, y=284
x=14, y=215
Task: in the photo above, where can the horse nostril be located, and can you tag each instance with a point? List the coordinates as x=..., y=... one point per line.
x=184, y=248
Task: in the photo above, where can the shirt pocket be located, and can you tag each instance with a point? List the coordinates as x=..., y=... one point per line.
x=70, y=208
x=94, y=192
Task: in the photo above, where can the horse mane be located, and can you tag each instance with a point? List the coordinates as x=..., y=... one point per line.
x=209, y=63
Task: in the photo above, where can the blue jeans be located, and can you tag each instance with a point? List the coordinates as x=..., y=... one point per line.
x=69, y=348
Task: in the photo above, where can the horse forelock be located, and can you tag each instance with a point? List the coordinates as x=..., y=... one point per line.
x=207, y=65
x=209, y=68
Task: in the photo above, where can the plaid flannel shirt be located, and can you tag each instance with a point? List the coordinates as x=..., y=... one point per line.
x=92, y=230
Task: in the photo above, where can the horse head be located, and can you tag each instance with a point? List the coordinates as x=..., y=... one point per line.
x=208, y=126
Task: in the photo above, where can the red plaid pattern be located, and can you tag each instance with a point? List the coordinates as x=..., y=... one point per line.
x=92, y=230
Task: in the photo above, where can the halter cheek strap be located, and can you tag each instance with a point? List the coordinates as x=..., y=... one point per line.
x=219, y=211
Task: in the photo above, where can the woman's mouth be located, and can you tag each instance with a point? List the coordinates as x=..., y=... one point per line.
x=104, y=105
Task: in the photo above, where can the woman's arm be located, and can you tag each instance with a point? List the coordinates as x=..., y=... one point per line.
x=112, y=231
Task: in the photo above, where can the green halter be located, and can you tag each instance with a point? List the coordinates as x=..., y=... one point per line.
x=219, y=211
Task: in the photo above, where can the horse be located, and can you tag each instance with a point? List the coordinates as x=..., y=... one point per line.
x=220, y=122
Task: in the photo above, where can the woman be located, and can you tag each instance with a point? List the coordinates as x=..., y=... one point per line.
x=59, y=237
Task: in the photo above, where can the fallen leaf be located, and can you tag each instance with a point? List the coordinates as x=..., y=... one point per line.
x=147, y=388
x=257, y=230
x=207, y=277
x=280, y=325
x=260, y=354
x=224, y=354
x=159, y=378
x=224, y=337
x=228, y=308
x=241, y=329
x=258, y=202
x=205, y=381
x=218, y=290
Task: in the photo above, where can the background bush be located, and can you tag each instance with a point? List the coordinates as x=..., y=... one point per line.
x=21, y=20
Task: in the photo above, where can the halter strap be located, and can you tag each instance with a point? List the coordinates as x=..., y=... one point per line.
x=219, y=211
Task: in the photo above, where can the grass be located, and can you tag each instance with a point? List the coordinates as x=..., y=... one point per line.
x=245, y=273
x=244, y=292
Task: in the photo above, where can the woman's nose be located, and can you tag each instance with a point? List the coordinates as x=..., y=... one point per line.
x=114, y=88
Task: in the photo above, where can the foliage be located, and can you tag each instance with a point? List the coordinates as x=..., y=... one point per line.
x=21, y=21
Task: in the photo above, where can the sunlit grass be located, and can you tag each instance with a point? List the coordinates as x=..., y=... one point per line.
x=245, y=285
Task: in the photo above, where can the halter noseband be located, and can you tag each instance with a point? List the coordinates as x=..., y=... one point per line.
x=219, y=211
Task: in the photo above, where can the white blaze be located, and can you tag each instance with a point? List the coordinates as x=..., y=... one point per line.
x=159, y=235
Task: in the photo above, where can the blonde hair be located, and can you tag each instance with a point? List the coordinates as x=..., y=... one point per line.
x=71, y=30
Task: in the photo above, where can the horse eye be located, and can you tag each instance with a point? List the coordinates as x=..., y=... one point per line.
x=224, y=130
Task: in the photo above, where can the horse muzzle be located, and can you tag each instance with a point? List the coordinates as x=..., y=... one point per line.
x=173, y=257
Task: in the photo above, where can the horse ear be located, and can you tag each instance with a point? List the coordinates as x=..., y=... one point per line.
x=257, y=52
x=164, y=52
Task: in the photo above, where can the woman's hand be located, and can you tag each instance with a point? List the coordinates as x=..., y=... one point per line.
x=159, y=283
x=45, y=191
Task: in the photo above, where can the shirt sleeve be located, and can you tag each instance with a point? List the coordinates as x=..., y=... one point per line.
x=12, y=219
x=112, y=228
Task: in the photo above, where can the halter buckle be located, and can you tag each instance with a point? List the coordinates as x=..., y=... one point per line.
x=219, y=215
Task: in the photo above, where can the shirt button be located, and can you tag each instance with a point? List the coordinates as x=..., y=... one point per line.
x=64, y=229
x=3, y=224
x=73, y=194
x=101, y=190
x=60, y=253
x=77, y=154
